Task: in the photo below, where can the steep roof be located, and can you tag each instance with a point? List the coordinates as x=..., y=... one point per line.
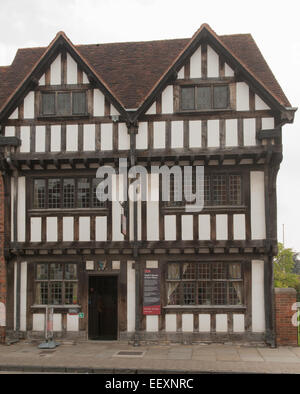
x=131, y=69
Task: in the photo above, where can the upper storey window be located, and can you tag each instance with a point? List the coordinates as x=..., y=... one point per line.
x=201, y=98
x=63, y=103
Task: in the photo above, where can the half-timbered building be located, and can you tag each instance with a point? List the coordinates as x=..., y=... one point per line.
x=67, y=110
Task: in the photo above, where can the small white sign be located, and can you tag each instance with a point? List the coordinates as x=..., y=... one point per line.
x=89, y=265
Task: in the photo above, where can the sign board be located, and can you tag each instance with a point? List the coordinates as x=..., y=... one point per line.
x=151, y=292
x=81, y=315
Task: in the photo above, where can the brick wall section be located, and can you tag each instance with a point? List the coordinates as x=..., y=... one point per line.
x=2, y=261
x=286, y=333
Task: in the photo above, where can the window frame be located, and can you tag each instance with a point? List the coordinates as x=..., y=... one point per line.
x=63, y=281
x=56, y=93
x=212, y=281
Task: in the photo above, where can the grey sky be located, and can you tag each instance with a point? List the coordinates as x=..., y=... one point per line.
x=273, y=24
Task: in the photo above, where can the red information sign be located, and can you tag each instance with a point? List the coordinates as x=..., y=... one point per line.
x=152, y=292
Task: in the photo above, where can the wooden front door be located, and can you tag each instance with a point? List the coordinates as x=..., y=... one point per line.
x=103, y=307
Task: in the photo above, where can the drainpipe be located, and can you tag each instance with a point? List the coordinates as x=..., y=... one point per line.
x=132, y=130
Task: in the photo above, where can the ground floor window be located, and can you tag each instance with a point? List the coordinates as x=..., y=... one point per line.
x=56, y=284
x=205, y=284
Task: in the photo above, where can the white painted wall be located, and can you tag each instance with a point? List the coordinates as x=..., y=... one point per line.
x=221, y=323
x=170, y=227
x=142, y=136
x=23, y=297
x=180, y=74
x=106, y=136
x=124, y=137
x=152, y=109
x=177, y=134
x=25, y=139
x=55, y=71
x=242, y=97
x=153, y=208
x=89, y=137
x=231, y=133
x=72, y=138
x=130, y=297
x=171, y=323
x=21, y=209
x=116, y=210
x=51, y=229
x=258, y=300
x=213, y=133
x=12, y=188
x=55, y=138
x=167, y=106
x=260, y=104
x=72, y=323
x=195, y=64
x=57, y=322
x=84, y=229
x=204, y=227
x=68, y=229
x=36, y=229
x=99, y=101
x=159, y=135
x=10, y=131
x=204, y=323
x=212, y=63
x=249, y=132
x=38, y=322
x=228, y=71
x=71, y=70
x=187, y=322
x=187, y=227
x=238, y=323
x=29, y=106
x=222, y=227
x=239, y=227
x=257, y=191
x=267, y=123
x=101, y=228
x=42, y=81
x=40, y=138
x=152, y=323
x=195, y=133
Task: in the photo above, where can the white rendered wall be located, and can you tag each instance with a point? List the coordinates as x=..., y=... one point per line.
x=89, y=141
x=195, y=133
x=204, y=323
x=238, y=323
x=212, y=63
x=23, y=297
x=40, y=138
x=231, y=126
x=38, y=323
x=204, y=227
x=84, y=229
x=187, y=227
x=167, y=106
x=159, y=135
x=153, y=208
x=171, y=324
x=68, y=229
x=29, y=106
x=258, y=300
x=257, y=191
x=36, y=229
x=106, y=136
x=51, y=229
x=228, y=71
x=267, y=123
x=72, y=138
x=72, y=323
x=177, y=134
x=221, y=323
x=213, y=133
x=142, y=136
x=249, y=132
x=170, y=227
x=116, y=209
x=239, y=227
x=242, y=97
x=21, y=209
x=25, y=139
x=55, y=71
x=101, y=228
x=195, y=64
x=187, y=322
x=99, y=101
x=124, y=137
x=55, y=138
x=72, y=71
x=151, y=323
x=10, y=131
x=222, y=227
x=260, y=104
x=130, y=297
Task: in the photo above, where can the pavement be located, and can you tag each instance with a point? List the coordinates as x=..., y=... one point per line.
x=123, y=358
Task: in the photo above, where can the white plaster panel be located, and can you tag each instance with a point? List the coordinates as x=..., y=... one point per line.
x=170, y=227
x=10, y=131
x=187, y=227
x=72, y=138
x=204, y=227
x=267, y=123
x=72, y=323
x=15, y=293
x=57, y=322
x=204, y=323
x=36, y=229
x=40, y=138
x=23, y=297
x=242, y=97
x=231, y=133
x=195, y=64
x=51, y=229
x=222, y=227
x=195, y=133
x=2, y=315
x=249, y=132
x=25, y=139
x=99, y=101
x=55, y=71
x=152, y=109
x=42, y=81
x=115, y=265
x=260, y=104
x=238, y=323
x=228, y=71
x=130, y=297
x=213, y=133
x=85, y=79
x=15, y=114
x=167, y=106
x=84, y=229
x=113, y=110
x=142, y=136
x=12, y=188
x=68, y=229
x=101, y=228
x=151, y=323
x=38, y=322
x=106, y=136
x=212, y=63
x=72, y=71
x=180, y=74
x=177, y=134
x=21, y=209
x=221, y=323
x=153, y=208
x=159, y=135
x=116, y=210
x=257, y=190
x=239, y=227
x=258, y=299
x=89, y=137
x=171, y=322
x=187, y=322
x=124, y=137
x=29, y=106
x=56, y=138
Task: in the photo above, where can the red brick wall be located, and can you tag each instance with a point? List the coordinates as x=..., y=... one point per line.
x=286, y=332
x=2, y=261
